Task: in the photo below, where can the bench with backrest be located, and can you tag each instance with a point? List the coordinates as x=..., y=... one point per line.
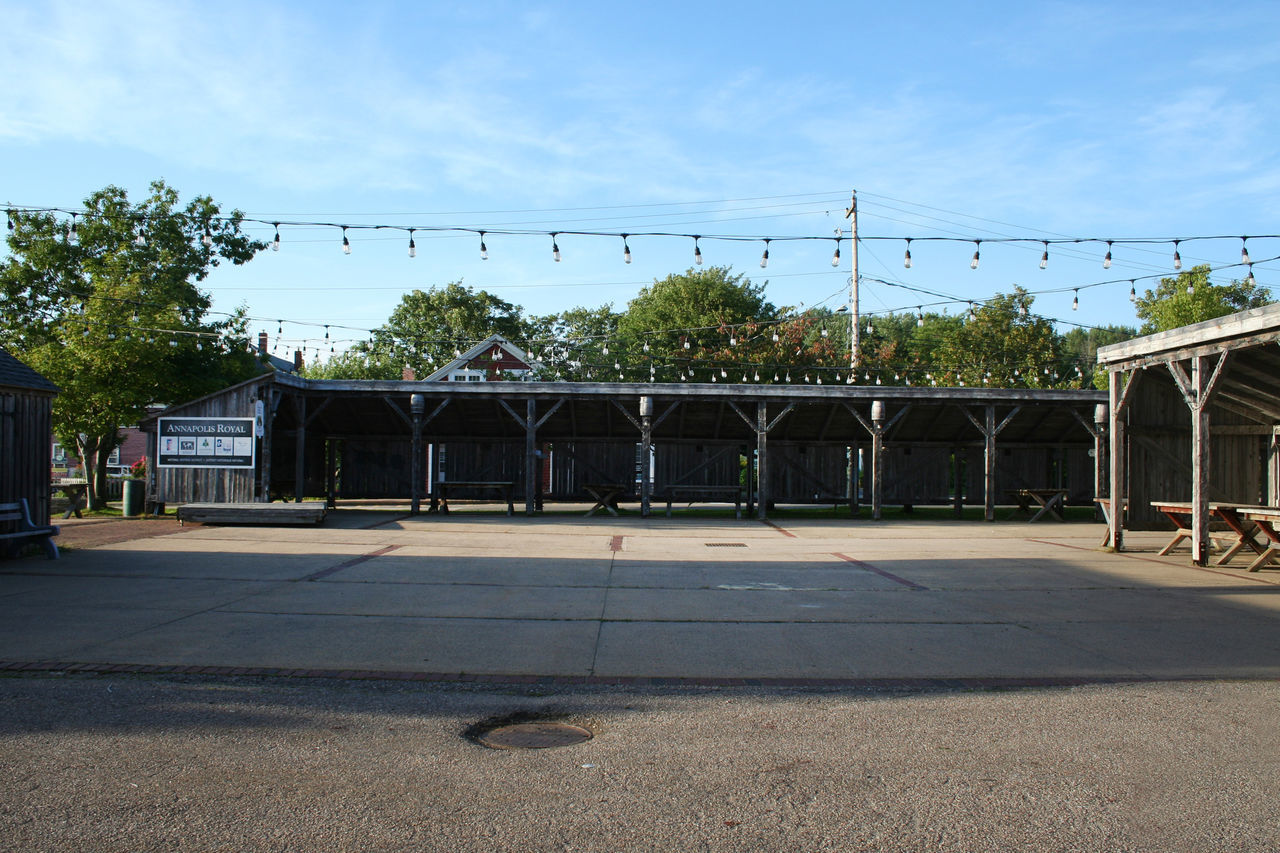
x=12, y=540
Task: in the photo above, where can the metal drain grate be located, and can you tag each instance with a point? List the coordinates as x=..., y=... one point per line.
x=726, y=544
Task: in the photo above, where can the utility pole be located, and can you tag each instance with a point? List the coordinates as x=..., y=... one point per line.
x=855, y=351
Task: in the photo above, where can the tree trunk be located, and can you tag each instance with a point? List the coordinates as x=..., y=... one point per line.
x=94, y=453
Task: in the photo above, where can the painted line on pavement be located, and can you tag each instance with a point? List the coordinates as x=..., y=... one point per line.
x=767, y=523
x=881, y=572
x=354, y=561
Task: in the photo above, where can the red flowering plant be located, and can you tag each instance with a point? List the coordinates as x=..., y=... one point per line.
x=138, y=470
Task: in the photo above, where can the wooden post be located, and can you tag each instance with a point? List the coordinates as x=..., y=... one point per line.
x=331, y=473
x=957, y=464
x=989, y=460
x=1116, y=458
x=268, y=434
x=417, y=405
x=762, y=460
x=1200, y=462
x=530, y=457
x=300, y=449
x=646, y=454
x=855, y=473
x=877, y=457
x=1099, y=449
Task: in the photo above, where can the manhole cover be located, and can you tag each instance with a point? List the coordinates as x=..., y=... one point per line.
x=540, y=734
x=726, y=544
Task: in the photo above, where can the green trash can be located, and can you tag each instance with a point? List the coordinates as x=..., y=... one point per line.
x=135, y=493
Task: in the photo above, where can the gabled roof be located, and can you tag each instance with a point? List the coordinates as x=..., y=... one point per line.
x=15, y=374
x=479, y=349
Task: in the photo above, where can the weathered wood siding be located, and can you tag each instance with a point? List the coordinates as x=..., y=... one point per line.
x=26, y=441
x=804, y=473
x=201, y=485
x=1159, y=444
x=375, y=468
x=691, y=464
x=576, y=462
x=916, y=475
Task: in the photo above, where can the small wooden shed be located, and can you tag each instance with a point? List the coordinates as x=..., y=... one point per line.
x=1194, y=415
x=26, y=436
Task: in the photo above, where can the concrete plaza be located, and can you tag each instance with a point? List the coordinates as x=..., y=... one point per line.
x=719, y=600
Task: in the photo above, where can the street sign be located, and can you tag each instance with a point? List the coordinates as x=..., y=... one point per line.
x=205, y=443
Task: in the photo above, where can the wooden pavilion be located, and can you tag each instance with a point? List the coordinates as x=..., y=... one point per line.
x=779, y=444
x=1195, y=417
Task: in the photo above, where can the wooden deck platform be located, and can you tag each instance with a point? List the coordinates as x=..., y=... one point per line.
x=308, y=512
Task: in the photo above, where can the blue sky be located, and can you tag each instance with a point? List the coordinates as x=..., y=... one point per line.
x=1041, y=120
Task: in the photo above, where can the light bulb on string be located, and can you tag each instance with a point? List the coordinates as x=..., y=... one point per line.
x=1106, y=261
x=1244, y=251
x=733, y=340
x=1133, y=290
x=775, y=336
x=207, y=239
x=1249, y=279
x=346, y=244
x=919, y=316
x=697, y=251
x=626, y=250
x=835, y=259
x=555, y=247
x=73, y=233
x=973, y=264
x=1177, y=258
x=484, y=250
x=1044, y=259
x=413, y=249
x=8, y=220
x=824, y=329
x=141, y=239
x=275, y=241
x=906, y=259
x=764, y=259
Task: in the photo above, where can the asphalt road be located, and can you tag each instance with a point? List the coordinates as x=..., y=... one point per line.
x=137, y=763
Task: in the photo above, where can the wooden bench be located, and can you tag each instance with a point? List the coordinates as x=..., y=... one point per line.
x=27, y=532
x=440, y=497
x=703, y=493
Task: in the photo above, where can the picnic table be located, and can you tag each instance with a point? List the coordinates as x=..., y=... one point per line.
x=74, y=491
x=440, y=497
x=606, y=496
x=1050, y=501
x=1180, y=513
x=1266, y=518
x=693, y=493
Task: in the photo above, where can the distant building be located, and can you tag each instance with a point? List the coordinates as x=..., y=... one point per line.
x=492, y=359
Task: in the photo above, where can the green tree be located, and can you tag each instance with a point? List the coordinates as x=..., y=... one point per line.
x=426, y=330
x=1192, y=298
x=1001, y=344
x=105, y=303
x=1079, y=347
x=686, y=320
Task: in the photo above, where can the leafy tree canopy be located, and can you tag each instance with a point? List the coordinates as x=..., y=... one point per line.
x=106, y=305
x=1192, y=298
x=427, y=329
